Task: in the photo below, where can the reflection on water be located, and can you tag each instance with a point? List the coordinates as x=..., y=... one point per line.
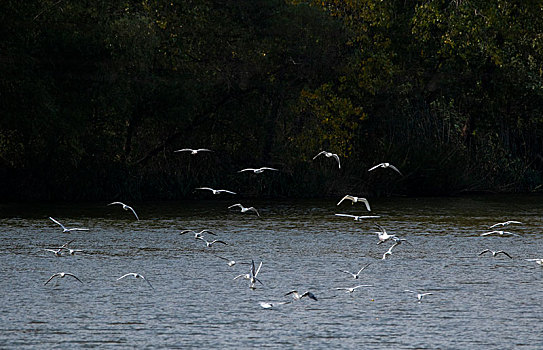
x=477, y=301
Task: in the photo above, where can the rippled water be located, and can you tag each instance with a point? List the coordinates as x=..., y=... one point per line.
x=477, y=302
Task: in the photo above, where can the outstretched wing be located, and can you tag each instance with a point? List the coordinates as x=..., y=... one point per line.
x=321, y=152
x=337, y=159
x=74, y=276
x=484, y=251
x=375, y=167
x=395, y=169
x=58, y=223
x=362, y=269
x=50, y=278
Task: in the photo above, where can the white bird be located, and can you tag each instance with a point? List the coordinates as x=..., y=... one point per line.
x=267, y=305
x=351, y=290
x=257, y=171
x=209, y=244
x=385, y=165
x=298, y=296
x=64, y=229
x=198, y=235
x=62, y=275
x=494, y=253
x=354, y=200
x=230, y=262
x=215, y=191
x=136, y=275
x=419, y=295
x=358, y=217
x=243, y=209
x=251, y=276
x=328, y=155
x=57, y=252
x=399, y=240
x=355, y=275
x=537, y=261
x=389, y=251
x=193, y=151
x=506, y=223
x=501, y=233
x=383, y=235
x=126, y=207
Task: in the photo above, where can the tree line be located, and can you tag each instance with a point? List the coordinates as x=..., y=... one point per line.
x=95, y=97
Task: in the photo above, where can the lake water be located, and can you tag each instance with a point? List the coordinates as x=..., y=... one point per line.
x=478, y=302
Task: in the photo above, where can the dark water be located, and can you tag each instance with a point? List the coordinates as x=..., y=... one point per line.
x=477, y=302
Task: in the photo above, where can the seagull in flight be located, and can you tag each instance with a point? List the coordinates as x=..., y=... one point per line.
x=198, y=235
x=64, y=229
x=298, y=296
x=494, y=253
x=229, y=261
x=209, y=244
x=193, y=151
x=383, y=235
x=62, y=275
x=267, y=305
x=243, y=209
x=385, y=165
x=537, y=261
x=58, y=251
x=257, y=171
x=354, y=200
x=126, y=207
x=328, y=155
x=389, y=251
x=251, y=276
x=419, y=295
x=136, y=275
x=355, y=275
x=358, y=217
x=351, y=290
x=506, y=223
x=501, y=233
x=215, y=191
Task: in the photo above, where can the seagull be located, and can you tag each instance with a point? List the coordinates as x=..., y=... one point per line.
x=136, y=275
x=198, y=235
x=419, y=295
x=355, y=200
x=209, y=244
x=230, y=262
x=328, y=155
x=126, y=207
x=266, y=305
x=62, y=275
x=385, y=165
x=193, y=151
x=251, y=276
x=358, y=217
x=257, y=171
x=389, y=251
x=506, y=223
x=64, y=229
x=57, y=252
x=495, y=253
x=537, y=261
x=383, y=235
x=355, y=275
x=215, y=191
x=298, y=296
x=501, y=233
x=351, y=290
x=243, y=209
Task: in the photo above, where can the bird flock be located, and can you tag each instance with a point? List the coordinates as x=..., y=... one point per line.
x=252, y=275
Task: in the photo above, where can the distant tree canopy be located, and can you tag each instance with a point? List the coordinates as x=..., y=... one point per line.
x=95, y=96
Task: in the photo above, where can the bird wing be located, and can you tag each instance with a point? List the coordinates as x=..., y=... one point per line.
x=220, y=257
x=488, y=233
x=504, y=253
x=203, y=150
x=184, y=150
x=128, y=274
x=247, y=169
x=410, y=291
x=498, y=224
x=346, y=215
x=227, y=191
x=309, y=295
x=321, y=152
x=366, y=203
x=186, y=231
x=291, y=292
x=217, y=241
x=346, y=197
x=235, y=205
x=395, y=169
x=77, y=229
x=258, y=270
x=207, y=231
x=238, y=276
x=484, y=251
x=58, y=223
x=362, y=269
x=149, y=283
x=267, y=168
x=74, y=276
x=375, y=167
x=337, y=159
x=345, y=271
x=50, y=278
x=204, y=188
x=254, y=209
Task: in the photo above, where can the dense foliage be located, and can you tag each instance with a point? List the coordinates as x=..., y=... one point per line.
x=95, y=96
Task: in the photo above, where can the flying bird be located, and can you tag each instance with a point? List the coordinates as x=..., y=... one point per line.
x=267, y=305
x=506, y=223
x=358, y=217
x=126, y=207
x=62, y=275
x=251, y=276
x=500, y=233
x=355, y=275
x=243, y=209
x=389, y=251
x=354, y=200
x=209, y=244
x=215, y=191
x=328, y=155
x=64, y=229
x=419, y=295
x=136, y=275
x=298, y=296
x=57, y=252
x=257, y=170
x=383, y=235
x=193, y=151
x=198, y=235
x=230, y=262
x=494, y=253
x=351, y=290
x=537, y=261
x=384, y=166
